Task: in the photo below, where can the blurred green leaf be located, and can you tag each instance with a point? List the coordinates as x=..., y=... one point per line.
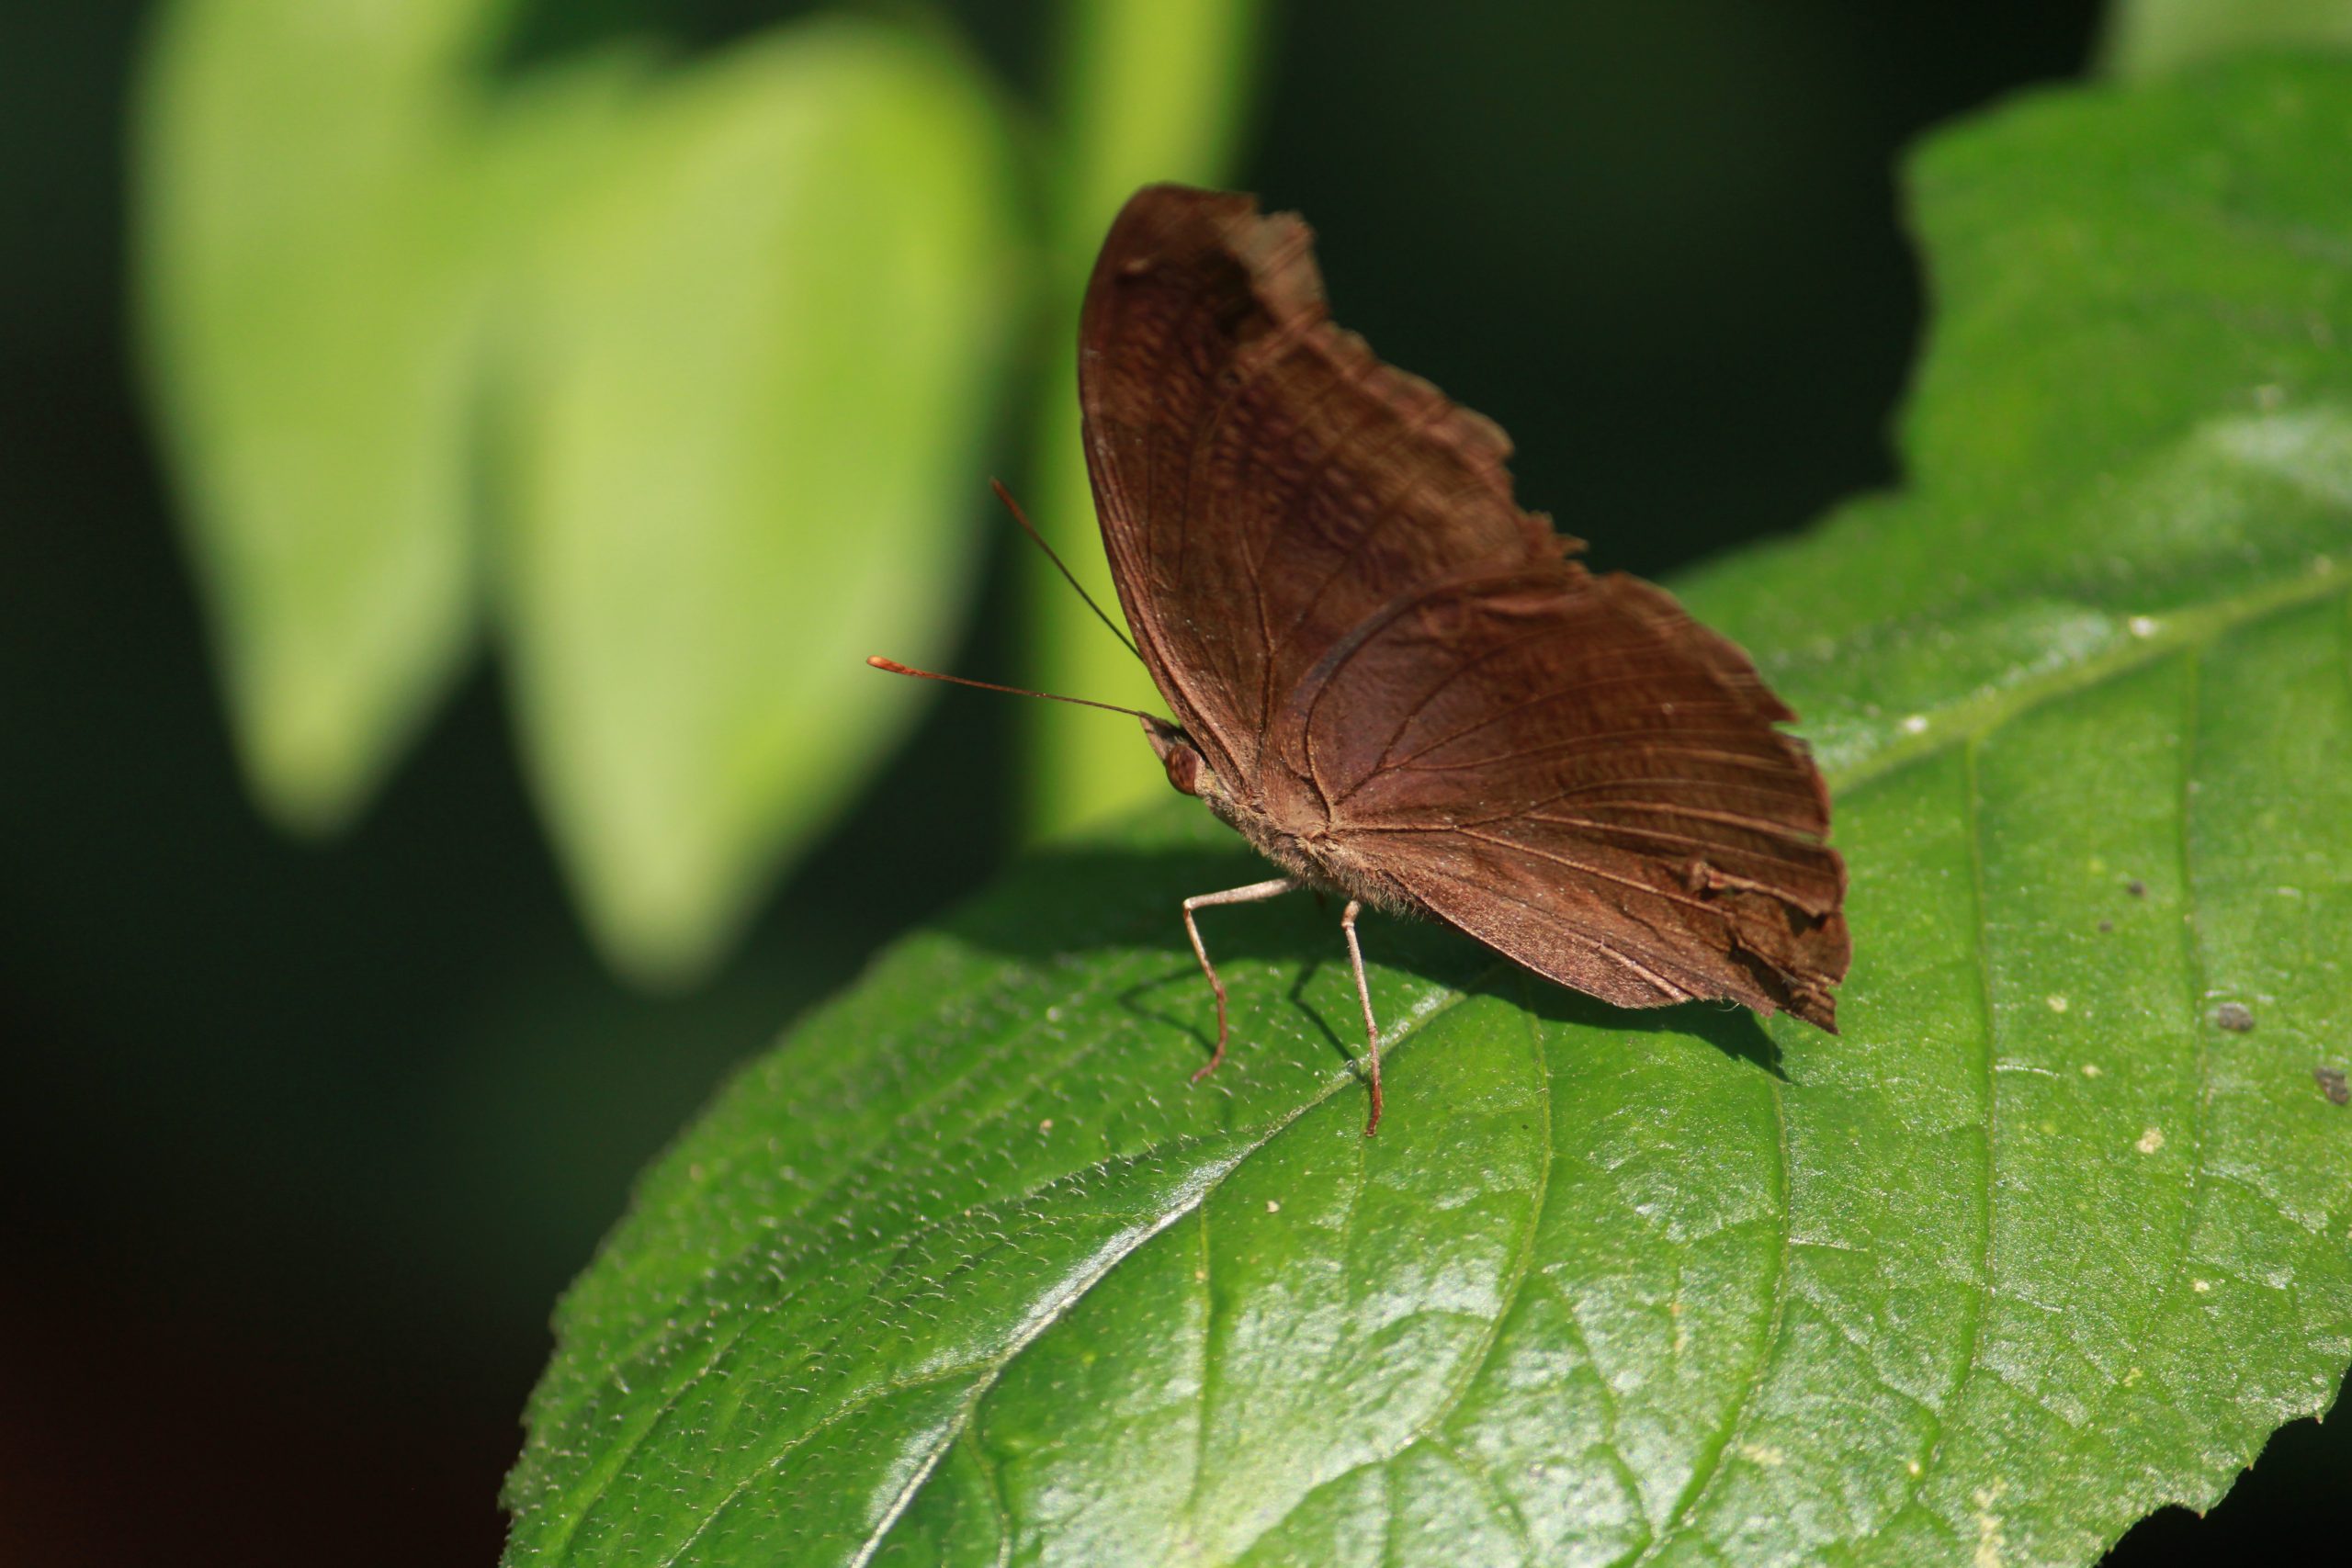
x=737, y=326
x=1149, y=92
x=2151, y=38
x=744, y=455
x=310, y=275
x=964, y=1273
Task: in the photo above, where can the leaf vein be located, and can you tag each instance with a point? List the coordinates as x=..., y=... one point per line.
x=1710, y=1465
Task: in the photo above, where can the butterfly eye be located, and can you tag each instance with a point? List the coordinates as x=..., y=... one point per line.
x=1184, y=769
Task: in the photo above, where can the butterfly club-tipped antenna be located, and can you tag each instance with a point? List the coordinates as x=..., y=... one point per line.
x=1152, y=722
x=895, y=668
x=1070, y=577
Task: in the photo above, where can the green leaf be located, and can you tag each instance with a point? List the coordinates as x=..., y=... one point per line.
x=743, y=456
x=963, y=1271
x=739, y=325
x=1149, y=92
x=2154, y=37
x=310, y=278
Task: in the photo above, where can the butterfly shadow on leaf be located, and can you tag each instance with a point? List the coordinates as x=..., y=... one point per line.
x=1064, y=902
x=1727, y=1026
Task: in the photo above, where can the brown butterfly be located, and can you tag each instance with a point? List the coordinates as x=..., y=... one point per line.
x=1394, y=682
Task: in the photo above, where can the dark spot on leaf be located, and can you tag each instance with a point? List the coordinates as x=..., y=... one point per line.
x=2137, y=888
x=2333, y=1084
x=2236, y=1017
x=2107, y=925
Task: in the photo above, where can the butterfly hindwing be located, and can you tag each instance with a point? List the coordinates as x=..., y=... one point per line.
x=1552, y=762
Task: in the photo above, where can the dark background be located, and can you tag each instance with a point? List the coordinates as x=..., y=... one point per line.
x=298, y=1144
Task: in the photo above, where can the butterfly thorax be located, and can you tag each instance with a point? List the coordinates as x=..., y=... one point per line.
x=1299, y=842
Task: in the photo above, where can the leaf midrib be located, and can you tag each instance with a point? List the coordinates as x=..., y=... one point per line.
x=994, y=1366
x=988, y=1369
x=1971, y=719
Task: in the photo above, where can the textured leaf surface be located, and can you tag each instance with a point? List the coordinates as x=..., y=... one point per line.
x=743, y=456
x=964, y=1273
x=310, y=266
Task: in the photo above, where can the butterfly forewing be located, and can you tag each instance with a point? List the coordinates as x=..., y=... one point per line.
x=1393, y=668
x=1261, y=478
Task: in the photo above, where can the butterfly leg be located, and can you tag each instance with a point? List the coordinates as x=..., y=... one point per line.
x=1257, y=892
x=1364, y=994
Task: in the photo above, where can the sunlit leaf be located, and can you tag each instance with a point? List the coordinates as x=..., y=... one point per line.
x=964, y=1272
x=310, y=271
x=2151, y=37
x=744, y=456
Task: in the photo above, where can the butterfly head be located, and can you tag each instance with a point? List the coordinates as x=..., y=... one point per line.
x=1186, y=770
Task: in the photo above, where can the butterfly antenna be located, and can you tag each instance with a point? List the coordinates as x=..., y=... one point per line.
x=895, y=668
x=1039, y=539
